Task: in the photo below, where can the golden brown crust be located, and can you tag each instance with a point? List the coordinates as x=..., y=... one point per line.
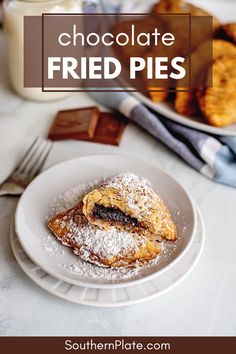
x=180, y=6
x=221, y=48
x=156, y=93
x=218, y=103
x=158, y=96
x=186, y=102
x=131, y=195
x=168, y=6
x=56, y=226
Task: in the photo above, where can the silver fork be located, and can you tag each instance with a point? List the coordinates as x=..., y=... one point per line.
x=28, y=168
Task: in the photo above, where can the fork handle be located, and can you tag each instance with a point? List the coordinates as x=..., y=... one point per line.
x=9, y=188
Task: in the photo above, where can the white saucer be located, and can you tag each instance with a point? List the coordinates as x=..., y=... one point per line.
x=117, y=296
x=30, y=220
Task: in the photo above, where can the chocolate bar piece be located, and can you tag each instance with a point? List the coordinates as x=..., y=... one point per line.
x=109, y=129
x=75, y=124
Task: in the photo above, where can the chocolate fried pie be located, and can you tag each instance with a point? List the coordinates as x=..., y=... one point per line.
x=118, y=224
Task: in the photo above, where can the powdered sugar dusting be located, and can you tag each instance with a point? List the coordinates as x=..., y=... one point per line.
x=105, y=244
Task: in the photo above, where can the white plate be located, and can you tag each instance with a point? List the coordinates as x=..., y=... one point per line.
x=113, y=297
x=225, y=12
x=34, y=203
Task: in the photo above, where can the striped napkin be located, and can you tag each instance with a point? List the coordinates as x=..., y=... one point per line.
x=212, y=156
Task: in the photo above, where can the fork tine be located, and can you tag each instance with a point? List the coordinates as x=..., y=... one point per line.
x=39, y=164
x=29, y=166
x=28, y=155
x=32, y=161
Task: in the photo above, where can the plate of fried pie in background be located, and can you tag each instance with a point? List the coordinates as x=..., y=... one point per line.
x=210, y=109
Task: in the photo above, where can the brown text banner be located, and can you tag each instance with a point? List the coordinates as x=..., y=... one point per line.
x=59, y=345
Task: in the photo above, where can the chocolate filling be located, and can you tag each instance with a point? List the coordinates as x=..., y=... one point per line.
x=113, y=215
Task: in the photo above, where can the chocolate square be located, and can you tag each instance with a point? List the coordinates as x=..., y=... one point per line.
x=109, y=129
x=74, y=124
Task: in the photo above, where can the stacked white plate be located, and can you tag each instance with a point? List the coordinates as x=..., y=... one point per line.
x=45, y=269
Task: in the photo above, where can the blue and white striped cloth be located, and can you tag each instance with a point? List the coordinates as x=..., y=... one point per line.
x=214, y=157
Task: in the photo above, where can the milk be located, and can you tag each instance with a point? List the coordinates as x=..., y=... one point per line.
x=14, y=12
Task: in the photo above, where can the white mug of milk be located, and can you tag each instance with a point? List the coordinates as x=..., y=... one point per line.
x=14, y=12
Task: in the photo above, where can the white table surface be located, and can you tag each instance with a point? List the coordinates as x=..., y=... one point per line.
x=203, y=304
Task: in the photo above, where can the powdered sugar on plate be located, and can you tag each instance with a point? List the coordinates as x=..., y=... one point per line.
x=51, y=246
x=70, y=198
x=82, y=267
